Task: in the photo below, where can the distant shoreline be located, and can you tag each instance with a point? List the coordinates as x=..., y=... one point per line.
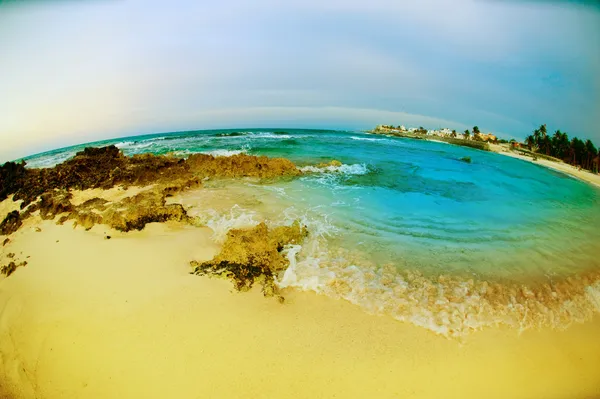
x=581, y=174
x=502, y=149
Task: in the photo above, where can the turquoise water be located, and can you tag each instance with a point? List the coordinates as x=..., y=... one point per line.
x=396, y=206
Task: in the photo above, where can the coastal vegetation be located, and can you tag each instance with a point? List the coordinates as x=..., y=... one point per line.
x=576, y=152
x=556, y=147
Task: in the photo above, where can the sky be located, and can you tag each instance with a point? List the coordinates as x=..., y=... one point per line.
x=78, y=71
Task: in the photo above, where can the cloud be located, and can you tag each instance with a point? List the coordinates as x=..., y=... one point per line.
x=78, y=71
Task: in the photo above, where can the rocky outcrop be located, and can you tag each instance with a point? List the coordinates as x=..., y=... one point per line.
x=11, y=223
x=251, y=254
x=147, y=207
x=53, y=203
x=241, y=165
x=107, y=167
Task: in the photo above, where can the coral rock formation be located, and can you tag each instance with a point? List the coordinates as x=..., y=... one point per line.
x=147, y=207
x=107, y=167
x=249, y=254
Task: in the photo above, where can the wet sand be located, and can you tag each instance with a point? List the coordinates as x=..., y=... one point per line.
x=122, y=317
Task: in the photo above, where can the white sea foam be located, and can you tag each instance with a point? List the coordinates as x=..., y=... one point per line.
x=224, y=153
x=48, y=161
x=268, y=135
x=221, y=223
x=367, y=139
x=134, y=146
x=353, y=169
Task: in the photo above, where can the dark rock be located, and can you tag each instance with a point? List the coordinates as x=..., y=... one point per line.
x=54, y=203
x=6, y=241
x=12, y=177
x=10, y=255
x=11, y=223
x=9, y=269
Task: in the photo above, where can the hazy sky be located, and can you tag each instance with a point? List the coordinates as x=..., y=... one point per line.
x=76, y=71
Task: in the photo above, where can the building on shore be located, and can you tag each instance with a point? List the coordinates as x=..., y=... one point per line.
x=488, y=137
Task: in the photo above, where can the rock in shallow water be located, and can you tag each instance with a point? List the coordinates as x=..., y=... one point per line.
x=250, y=254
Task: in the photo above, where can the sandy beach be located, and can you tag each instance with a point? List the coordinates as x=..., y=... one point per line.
x=102, y=303
x=94, y=317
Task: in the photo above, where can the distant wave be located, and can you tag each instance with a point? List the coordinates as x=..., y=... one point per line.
x=224, y=153
x=367, y=139
x=353, y=169
x=49, y=160
x=232, y=134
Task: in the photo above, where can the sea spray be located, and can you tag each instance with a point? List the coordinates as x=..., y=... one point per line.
x=220, y=224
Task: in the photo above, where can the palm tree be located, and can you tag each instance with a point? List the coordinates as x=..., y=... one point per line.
x=530, y=141
x=476, y=130
x=560, y=145
x=590, y=150
x=577, y=152
x=537, y=137
x=467, y=134
x=453, y=134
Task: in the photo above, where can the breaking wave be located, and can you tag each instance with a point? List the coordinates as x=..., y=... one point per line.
x=353, y=169
x=446, y=305
x=221, y=223
x=368, y=139
x=224, y=153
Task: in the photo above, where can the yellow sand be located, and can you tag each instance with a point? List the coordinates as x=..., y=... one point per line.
x=7, y=206
x=95, y=318
x=587, y=176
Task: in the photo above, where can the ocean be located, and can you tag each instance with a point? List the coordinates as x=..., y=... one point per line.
x=405, y=227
